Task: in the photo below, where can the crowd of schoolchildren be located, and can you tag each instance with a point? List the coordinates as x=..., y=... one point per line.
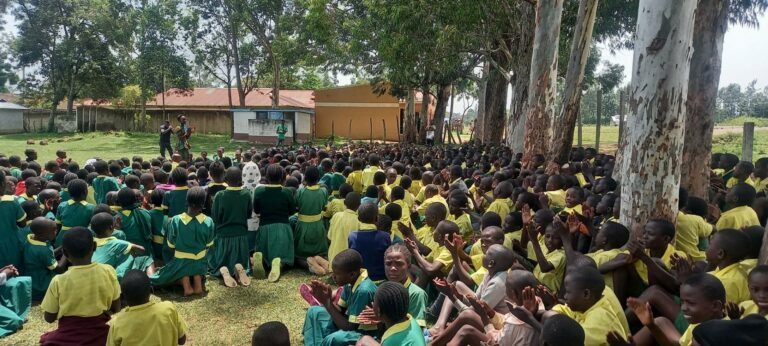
x=409, y=245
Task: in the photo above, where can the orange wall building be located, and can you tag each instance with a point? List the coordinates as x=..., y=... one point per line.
x=356, y=111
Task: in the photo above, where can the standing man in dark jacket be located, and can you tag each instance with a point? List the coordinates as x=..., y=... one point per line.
x=165, y=139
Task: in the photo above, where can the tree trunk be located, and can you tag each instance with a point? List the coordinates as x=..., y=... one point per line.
x=495, y=107
x=582, y=40
x=236, y=63
x=622, y=112
x=709, y=30
x=653, y=145
x=410, y=130
x=521, y=67
x=482, y=86
x=543, y=84
x=450, y=119
x=443, y=96
x=598, y=117
x=579, y=137
x=424, y=114
x=275, y=83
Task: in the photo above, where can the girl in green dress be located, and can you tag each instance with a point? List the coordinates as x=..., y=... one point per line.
x=158, y=219
x=75, y=212
x=11, y=218
x=231, y=210
x=116, y=252
x=310, y=229
x=190, y=234
x=135, y=221
x=274, y=241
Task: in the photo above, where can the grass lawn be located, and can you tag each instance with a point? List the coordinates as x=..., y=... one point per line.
x=229, y=316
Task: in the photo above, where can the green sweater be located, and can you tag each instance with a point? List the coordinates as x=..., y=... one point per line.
x=231, y=210
x=274, y=203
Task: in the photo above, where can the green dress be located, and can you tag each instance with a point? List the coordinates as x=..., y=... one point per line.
x=102, y=185
x=231, y=210
x=10, y=247
x=274, y=238
x=310, y=229
x=39, y=263
x=159, y=249
x=72, y=214
x=137, y=226
x=190, y=237
x=15, y=303
x=175, y=201
x=117, y=253
x=319, y=329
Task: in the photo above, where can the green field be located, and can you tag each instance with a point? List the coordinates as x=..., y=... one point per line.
x=228, y=316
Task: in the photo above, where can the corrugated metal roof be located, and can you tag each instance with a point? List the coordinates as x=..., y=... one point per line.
x=218, y=97
x=8, y=105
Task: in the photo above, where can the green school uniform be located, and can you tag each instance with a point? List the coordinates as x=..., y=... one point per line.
x=231, y=210
x=158, y=220
x=274, y=239
x=190, y=237
x=332, y=182
x=117, y=253
x=10, y=247
x=310, y=229
x=137, y=225
x=102, y=185
x=175, y=201
x=15, y=303
x=39, y=263
x=72, y=214
x=318, y=325
x=417, y=303
x=406, y=333
x=16, y=172
x=65, y=196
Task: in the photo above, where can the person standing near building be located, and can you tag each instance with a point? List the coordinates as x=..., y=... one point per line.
x=184, y=132
x=431, y=135
x=165, y=139
x=281, y=131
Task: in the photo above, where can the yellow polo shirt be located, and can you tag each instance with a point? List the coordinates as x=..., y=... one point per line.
x=687, y=338
x=760, y=184
x=424, y=236
x=738, y=218
x=578, y=209
x=734, y=279
x=733, y=181
x=553, y=278
x=582, y=180
x=688, y=230
x=342, y=224
x=556, y=198
x=422, y=209
x=415, y=187
x=642, y=269
x=441, y=255
x=367, y=175
x=512, y=236
x=748, y=264
x=500, y=206
x=82, y=291
x=336, y=205
x=597, y=321
x=750, y=308
x=602, y=257
x=465, y=225
x=356, y=180
x=153, y=323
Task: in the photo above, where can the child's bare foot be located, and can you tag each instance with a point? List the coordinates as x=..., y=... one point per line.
x=198, y=284
x=188, y=291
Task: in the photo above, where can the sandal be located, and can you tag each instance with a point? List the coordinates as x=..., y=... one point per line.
x=274, y=272
x=242, y=276
x=306, y=292
x=229, y=281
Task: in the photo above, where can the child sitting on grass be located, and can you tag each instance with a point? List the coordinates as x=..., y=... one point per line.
x=144, y=322
x=115, y=252
x=231, y=210
x=272, y=333
x=175, y=201
x=190, y=235
x=80, y=298
x=391, y=306
x=39, y=260
x=76, y=211
x=370, y=242
x=332, y=324
x=342, y=225
x=740, y=214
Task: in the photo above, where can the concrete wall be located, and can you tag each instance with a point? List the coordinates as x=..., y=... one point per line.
x=262, y=131
x=11, y=121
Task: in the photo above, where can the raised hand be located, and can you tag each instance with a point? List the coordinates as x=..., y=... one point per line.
x=459, y=242
x=405, y=229
x=321, y=291
x=444, y=287
x=411, y=245
x=529, y=300
x=547, y=297
x=733, y=311
x=641, y=309
x=573, y=223
x=682, y=267
x=368, y=317
x=544, y=200
x=526, y=214
x=449, y=243
x=636, y=249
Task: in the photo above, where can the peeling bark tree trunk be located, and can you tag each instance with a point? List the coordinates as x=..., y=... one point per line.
x=482, y=86
x=424, y=114
x=521, y=67
x=443, y=95
x=495, y=105
x=564, y=123
x=598, y=117
x=542, y=86
x=653, y=144
x=410, y=130
x=709, y=30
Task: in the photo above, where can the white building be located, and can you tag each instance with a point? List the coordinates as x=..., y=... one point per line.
x=11, y=117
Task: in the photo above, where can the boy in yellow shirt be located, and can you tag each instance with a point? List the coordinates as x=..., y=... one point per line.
x=356, y=177
x=336, y=205
x=726, y=249
x=79, y=298
x=691, y=228
x=609, y=242
x=740, y=215
x=760, y=175
x=434, y=262
x=431, y=195
x=758, y=289
x=742, y=173
x=144, y=322
x=342, y=225
x=555, y=195
x=550, y=267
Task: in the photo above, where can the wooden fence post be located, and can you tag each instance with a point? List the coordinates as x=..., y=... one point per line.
x=370, y=138
x=349, y=132
x=384, y=123
x=749, y=137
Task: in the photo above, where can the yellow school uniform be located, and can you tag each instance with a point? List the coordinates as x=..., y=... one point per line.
x=479, y=275
x=512, y=236
x=597, y=321
x=476, y=249
x=342, y=224
x=578, y=209
x=422, y=209
x=424, y=236
x=410, y=200
x=760, y=184
x=734, y=279
x=405, y=218
x=688, y=230
x=415, y=187
x=750, y=308
x=687, y=338
x=420, y=197
x=733, y=181
x=582, y=180
x=465, y=225
x=336, y=205
x=356, y=180
x=738, y=218
x=553, y=278
x=91, y=197
x=151, y=323
x=83, y=291
x=602, y=257
x=748, y=264
x=719, y=172
x=542, y=244
x=642, y=269
x=441, y=255
x=500, y=206
x=368, y=175
x=556, y=198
